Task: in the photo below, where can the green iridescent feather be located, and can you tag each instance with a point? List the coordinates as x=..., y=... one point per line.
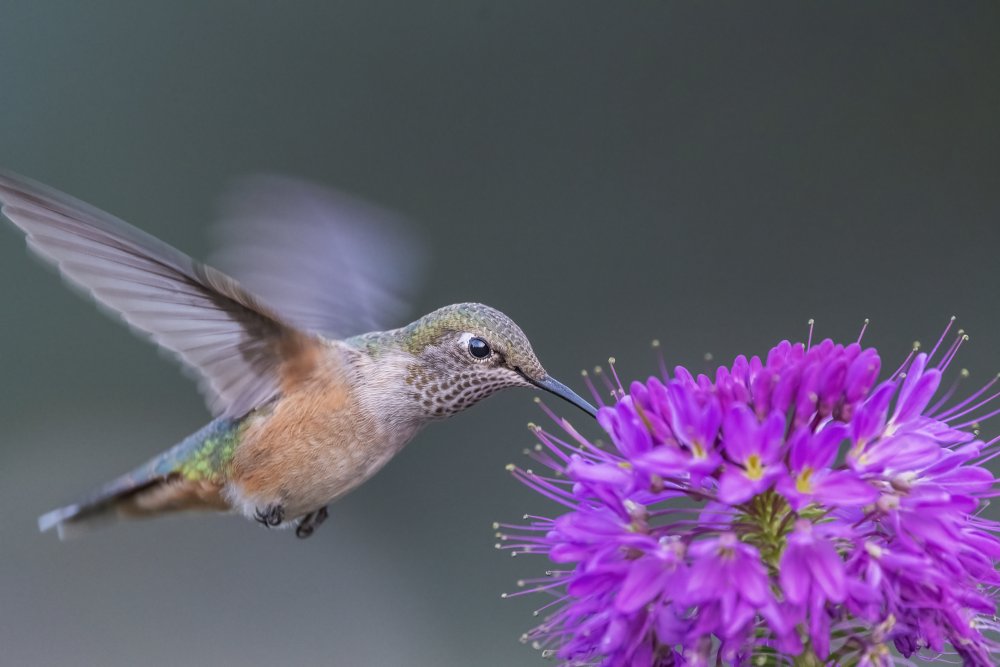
x=210, y=459
x=459, y=317
x=203, y=455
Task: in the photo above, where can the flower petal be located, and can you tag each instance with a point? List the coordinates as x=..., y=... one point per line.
x=846, y=489
x=734, y=487
x=642, y=584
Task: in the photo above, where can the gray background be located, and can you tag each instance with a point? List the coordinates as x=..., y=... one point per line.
x=711, y=174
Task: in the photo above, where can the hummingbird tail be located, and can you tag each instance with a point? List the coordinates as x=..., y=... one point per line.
x=156, y=497
x=75, y=520
x=181, y=478
x=100, y=509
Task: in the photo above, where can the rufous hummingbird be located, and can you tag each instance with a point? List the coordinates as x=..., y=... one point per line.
x=302, y=417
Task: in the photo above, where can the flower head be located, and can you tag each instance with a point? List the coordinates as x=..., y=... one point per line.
x=792, y=509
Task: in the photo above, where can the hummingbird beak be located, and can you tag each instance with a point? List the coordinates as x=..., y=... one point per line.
x=556, y=387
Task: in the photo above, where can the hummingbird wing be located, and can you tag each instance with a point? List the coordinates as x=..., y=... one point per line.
x=324, y=261
x=204, y=317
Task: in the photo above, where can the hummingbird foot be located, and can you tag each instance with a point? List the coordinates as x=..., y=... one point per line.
x=271, y=516
x=310, y=522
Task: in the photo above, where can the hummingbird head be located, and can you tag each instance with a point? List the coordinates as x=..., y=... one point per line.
x=468, y=351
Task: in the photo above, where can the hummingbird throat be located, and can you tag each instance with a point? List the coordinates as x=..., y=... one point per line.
x=440, y=396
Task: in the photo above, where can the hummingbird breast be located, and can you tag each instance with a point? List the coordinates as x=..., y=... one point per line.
x=324, y=438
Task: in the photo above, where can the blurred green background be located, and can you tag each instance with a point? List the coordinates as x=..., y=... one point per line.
x=711, y=174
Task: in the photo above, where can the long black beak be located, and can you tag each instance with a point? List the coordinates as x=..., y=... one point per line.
x=556, y=387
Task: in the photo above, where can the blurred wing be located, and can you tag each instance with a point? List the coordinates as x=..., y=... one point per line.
x=198, y=313
x=324, y=261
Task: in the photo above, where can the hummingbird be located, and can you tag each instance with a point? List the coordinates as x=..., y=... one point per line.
x=302, y=414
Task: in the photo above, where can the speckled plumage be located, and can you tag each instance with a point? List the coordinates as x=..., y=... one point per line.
x=442, y=394
x=302, y=416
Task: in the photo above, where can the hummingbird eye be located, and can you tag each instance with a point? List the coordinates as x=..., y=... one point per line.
x=479, y=348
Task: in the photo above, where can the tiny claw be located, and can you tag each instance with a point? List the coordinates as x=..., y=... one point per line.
x=310, y=522
x=271, y=516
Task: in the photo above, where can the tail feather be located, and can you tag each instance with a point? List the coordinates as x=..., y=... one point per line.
x=173, y=493
x=75, y=520
x=157, y=487
x=57, y=519
x=101, y=509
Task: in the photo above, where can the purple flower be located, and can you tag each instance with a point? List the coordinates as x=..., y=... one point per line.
x=755, y=448
x=810, y=476
x=791, y=509
x=811, y=575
